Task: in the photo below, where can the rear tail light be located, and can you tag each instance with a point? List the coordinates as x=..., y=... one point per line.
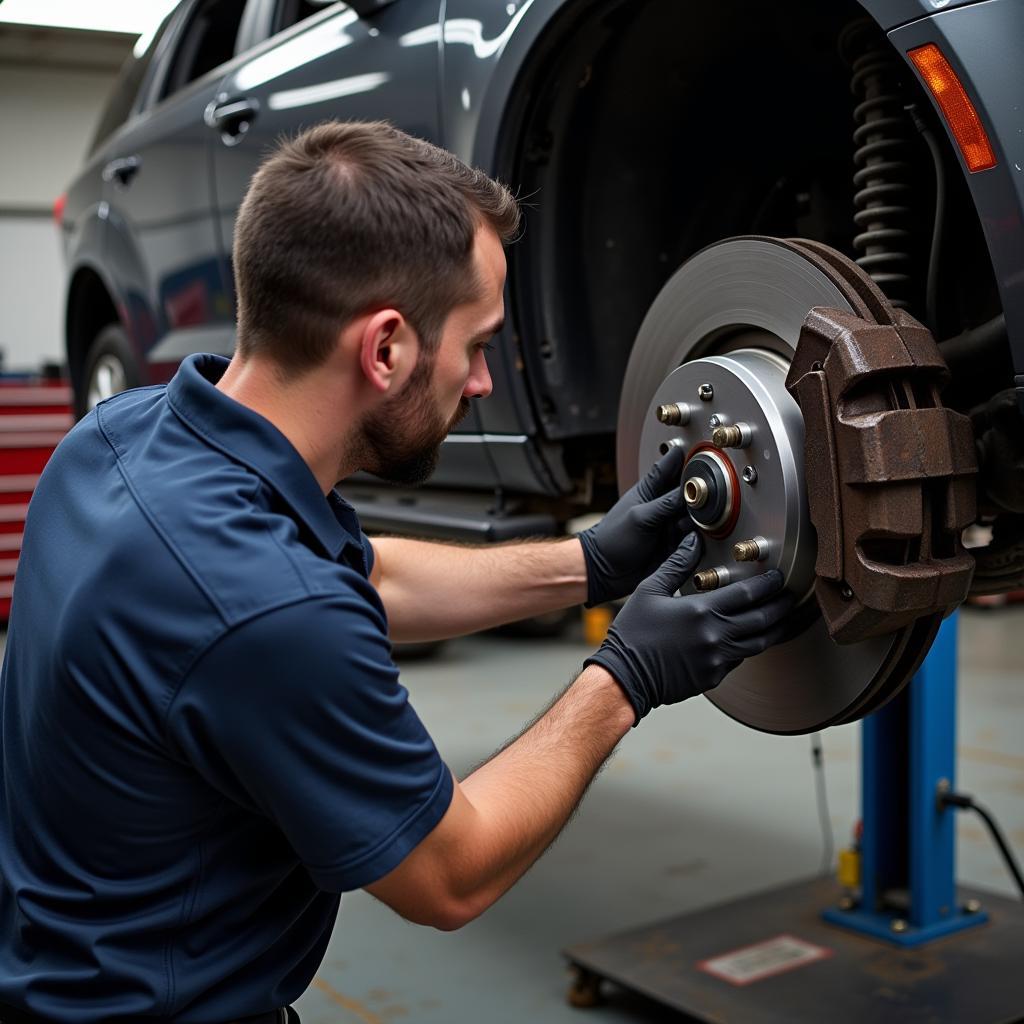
x=956, y=106
x=58, y=209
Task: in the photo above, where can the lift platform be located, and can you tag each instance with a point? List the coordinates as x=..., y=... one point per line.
x=908, y=946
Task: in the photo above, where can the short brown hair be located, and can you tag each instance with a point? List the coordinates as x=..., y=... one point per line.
x=351, y=215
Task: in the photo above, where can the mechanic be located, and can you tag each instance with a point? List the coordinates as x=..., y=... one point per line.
x=205, y=740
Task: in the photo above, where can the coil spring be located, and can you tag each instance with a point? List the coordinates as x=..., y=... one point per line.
x=884, y=172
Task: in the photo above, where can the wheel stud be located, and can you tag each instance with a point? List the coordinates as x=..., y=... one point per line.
x=674, y=414
x=711, y=579
x=753, y=550
x=736, y=436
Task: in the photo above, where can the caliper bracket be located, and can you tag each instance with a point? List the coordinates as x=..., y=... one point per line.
x=890, y=472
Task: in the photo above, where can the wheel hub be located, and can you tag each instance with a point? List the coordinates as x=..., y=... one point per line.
x=748, y=485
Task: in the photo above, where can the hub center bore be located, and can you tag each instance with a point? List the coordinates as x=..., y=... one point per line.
x=709, y=473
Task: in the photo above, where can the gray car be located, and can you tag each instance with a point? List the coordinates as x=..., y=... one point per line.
x=639, y=134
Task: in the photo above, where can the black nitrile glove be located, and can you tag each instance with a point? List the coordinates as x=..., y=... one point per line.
x=637, y=533
x=662, y=649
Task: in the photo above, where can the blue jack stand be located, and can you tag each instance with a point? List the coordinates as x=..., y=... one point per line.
x=908, y=947
x=908, y=846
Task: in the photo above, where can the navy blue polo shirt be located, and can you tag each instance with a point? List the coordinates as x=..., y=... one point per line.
x=204, y=736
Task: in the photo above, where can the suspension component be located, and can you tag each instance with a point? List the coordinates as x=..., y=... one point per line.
x=885, y=172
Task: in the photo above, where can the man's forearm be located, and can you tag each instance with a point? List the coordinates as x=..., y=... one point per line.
x=506, y=813
x=432, y=591
x=526, y=793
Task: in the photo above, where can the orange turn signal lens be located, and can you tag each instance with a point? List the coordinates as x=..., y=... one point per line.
x=956, y=106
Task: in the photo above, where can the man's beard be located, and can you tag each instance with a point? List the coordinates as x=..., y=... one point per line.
x=402, y=439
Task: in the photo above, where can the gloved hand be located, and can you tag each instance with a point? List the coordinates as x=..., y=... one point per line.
x=638, y=533
x=662, y=649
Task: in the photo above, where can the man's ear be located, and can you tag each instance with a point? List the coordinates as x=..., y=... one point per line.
x=388, y=349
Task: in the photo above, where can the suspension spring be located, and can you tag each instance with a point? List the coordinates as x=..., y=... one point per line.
x=885, y=171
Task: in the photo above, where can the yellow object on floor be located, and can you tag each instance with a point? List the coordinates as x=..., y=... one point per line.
x=848, y=871
x=595, y=624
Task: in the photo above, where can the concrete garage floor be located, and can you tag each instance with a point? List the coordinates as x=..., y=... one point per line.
x=693, y=810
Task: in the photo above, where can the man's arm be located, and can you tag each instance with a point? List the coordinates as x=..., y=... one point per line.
x=432, y=591
x=661, y=649
x=504, y=815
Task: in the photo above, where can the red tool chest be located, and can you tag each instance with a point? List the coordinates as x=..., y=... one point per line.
x=34, y=416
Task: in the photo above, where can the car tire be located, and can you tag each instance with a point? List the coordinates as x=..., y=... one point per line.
x=110, y=367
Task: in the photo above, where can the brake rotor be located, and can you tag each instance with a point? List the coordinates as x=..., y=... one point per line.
x=708, y=371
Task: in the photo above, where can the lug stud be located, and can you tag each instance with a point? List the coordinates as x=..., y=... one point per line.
x=711, y=579
x=736, y=436
x=673, y=414
x=753, y=550
x=706, y=392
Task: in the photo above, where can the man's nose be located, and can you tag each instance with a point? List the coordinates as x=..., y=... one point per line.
x=479, y=384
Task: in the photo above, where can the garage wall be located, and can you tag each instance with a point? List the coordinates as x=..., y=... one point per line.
x=53, y=85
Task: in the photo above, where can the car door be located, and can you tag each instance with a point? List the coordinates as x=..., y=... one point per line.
x=319, y=63
x=160, y=198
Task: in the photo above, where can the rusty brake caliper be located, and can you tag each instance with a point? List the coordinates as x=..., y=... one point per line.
x=889, y=470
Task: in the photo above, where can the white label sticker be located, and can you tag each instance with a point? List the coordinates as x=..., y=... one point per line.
x=764, y=959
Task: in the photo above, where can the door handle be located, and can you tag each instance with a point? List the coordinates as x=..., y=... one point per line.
x=123, y=169
x=231, y=117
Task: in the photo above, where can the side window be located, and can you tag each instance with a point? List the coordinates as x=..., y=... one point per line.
x=291, y=12
x=207, y=42
x=123, y=95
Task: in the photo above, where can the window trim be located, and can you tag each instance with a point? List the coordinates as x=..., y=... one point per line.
x=162, y=61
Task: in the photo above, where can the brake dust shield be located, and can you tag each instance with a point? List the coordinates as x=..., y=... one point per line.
x=862, y=516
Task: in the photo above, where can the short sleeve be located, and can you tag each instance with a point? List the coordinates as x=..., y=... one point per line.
x=299, y=716
x=367, y=552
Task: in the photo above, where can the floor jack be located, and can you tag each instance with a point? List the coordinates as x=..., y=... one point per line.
x=907, y=945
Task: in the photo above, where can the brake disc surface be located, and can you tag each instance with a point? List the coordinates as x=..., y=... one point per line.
x=714, y=350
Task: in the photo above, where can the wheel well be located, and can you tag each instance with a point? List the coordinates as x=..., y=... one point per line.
x=90, y=309
x=648, y=129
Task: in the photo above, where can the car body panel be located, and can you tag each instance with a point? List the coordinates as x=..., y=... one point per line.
x=892, y=13
x=983, y=44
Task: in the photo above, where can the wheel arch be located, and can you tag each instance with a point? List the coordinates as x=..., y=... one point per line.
x=573, y=375
x=91, y=306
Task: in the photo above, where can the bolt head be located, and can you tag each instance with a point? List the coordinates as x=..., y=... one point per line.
x=846, y=592
x=749, y=475
x=898, y=924
x=705, y=392
x=972, y=907
x=716, y=421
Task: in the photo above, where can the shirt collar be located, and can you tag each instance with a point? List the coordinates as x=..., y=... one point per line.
x=248, y=437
